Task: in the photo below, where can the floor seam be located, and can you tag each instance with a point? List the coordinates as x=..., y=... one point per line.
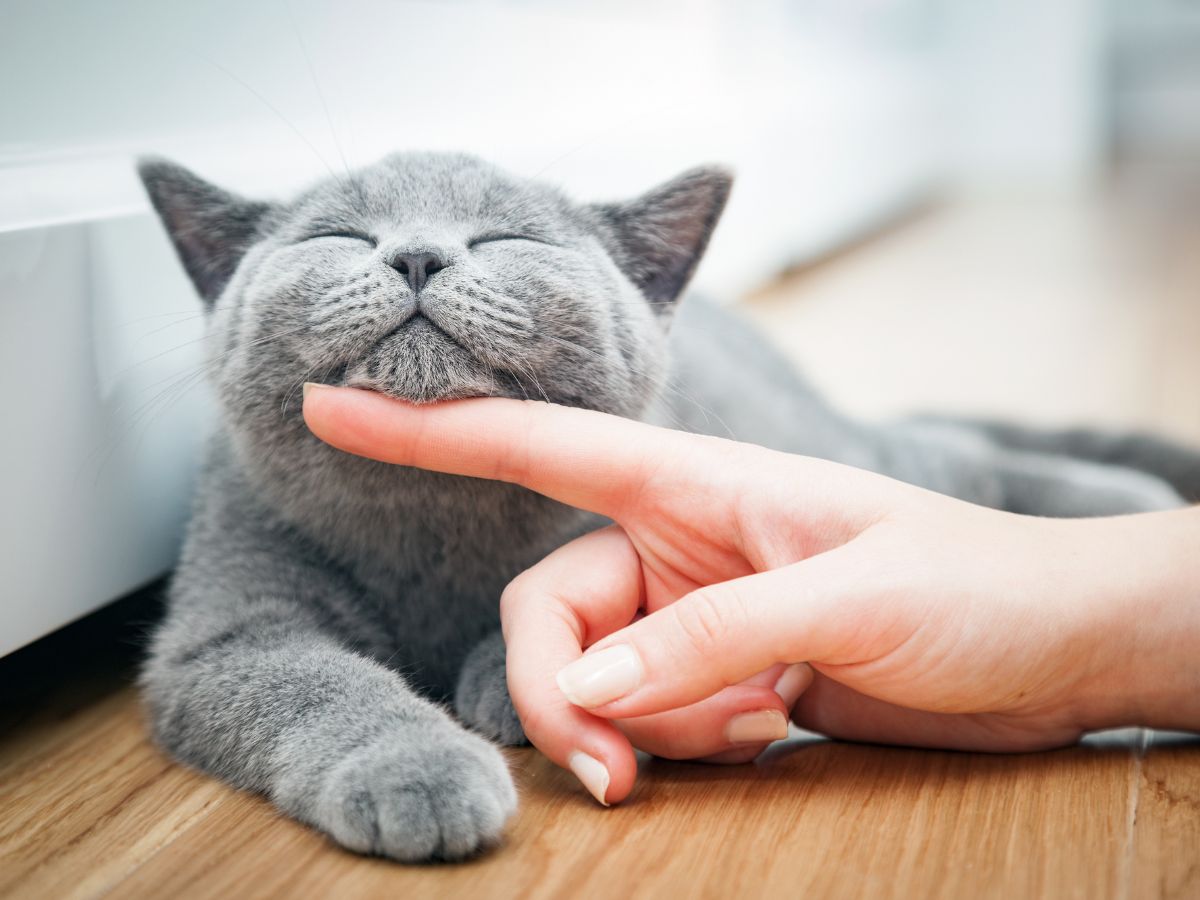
x=1135, y=795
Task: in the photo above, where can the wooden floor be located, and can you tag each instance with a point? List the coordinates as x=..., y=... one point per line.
x=88, y=807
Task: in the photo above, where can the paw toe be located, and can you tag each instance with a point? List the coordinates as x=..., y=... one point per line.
x=447, y=800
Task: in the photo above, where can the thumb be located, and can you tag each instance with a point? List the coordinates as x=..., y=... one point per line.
x=717, y=636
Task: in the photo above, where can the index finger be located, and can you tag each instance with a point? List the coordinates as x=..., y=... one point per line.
x=586, y=459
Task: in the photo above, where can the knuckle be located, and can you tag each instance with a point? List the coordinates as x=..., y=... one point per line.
x=536, y=718
x=516, y=464
x=706, y=620
x=510, y=597
x=516, y=604
x=518, y=593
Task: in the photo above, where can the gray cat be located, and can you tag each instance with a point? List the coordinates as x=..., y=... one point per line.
x=325, y=605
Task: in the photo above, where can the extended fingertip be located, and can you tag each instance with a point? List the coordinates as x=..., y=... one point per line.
x=592, y=773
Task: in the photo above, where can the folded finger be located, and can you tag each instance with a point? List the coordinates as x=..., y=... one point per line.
x=719, y=636
x=831, y=708
x=738, y=718
x=585, y=589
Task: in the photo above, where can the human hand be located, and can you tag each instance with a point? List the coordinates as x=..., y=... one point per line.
x=928, y=621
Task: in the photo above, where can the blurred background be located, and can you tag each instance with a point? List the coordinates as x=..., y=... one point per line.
x=986, y=207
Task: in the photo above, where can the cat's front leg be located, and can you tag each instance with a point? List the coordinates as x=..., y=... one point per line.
x=481, y=698
x=256, y=692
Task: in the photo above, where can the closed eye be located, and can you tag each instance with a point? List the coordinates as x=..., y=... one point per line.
x=494, y=238
x=341, y=235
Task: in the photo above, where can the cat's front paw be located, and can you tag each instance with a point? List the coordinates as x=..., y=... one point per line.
x=437, y=796
x=481, y=699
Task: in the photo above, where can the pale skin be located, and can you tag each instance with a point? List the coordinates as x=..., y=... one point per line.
x=740, y=587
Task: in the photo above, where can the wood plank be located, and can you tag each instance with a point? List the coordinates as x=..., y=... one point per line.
x=1166, y=836
x=85, y=798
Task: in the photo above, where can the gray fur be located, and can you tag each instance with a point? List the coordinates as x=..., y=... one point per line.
x=1171, y=462
x=328, y=609
x=481, y=697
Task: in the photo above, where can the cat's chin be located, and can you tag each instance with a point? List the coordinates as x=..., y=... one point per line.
x=425, y=392
x=413, y=391
x=420, y=363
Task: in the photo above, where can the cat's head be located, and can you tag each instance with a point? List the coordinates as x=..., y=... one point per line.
x=430, y=276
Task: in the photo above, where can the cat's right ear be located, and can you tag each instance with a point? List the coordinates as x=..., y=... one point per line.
x=211, y=228
x=659, y=237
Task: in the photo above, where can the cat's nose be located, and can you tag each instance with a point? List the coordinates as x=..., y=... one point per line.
x=417, y=267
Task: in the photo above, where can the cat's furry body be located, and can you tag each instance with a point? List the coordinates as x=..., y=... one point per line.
x=325, y=603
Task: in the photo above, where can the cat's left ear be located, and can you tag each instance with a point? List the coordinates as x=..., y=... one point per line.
x=211, y=228
x=659, y=237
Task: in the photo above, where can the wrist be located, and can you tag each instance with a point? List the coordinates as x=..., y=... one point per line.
x=1139, y=620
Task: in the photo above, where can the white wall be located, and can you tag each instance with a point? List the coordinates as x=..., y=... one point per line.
x=603, y=97
x=1027, y=83
x=103, y=425
x=1156, y=82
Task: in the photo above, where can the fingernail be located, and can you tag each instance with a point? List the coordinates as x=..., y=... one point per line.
x=309, y=386
x=601, y=677
x=591, y=772
x=793, y=681
x=756, y=727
